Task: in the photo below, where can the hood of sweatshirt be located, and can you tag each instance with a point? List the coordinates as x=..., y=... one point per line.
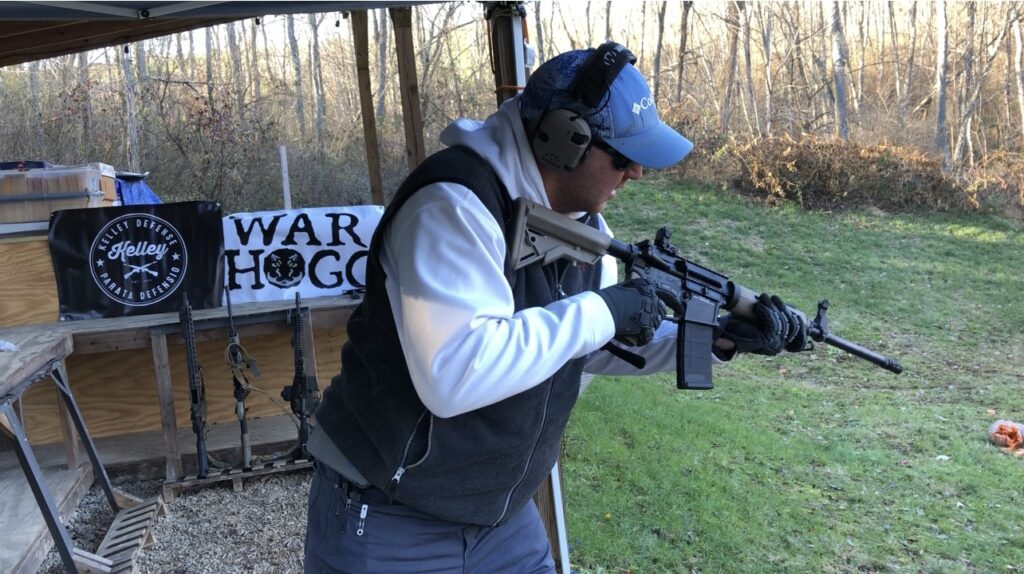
x=501, y=140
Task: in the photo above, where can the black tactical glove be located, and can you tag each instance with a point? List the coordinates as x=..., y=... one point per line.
x=775, y=328
x=636, y=310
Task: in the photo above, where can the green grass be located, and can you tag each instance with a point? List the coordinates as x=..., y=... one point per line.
x=817, y=462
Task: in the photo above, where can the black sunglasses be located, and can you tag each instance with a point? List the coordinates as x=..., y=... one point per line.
x=619, y=161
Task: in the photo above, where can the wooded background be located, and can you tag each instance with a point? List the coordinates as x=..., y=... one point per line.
x=205, y=111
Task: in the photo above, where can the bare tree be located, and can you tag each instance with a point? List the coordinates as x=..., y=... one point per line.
x=941, y=69
x=764, y=18
x=657, y=49
x=910, y=57
x=732, y=21
x=254, y=68
x=839, y=60
x=380, y=32
x=210, y=54
x=85, y=107
x=37, y=108
x=684, y=30
x=607, y=21
x=968, y=80
x=749, y=75
x=316, y=73
x=893, y=29
x=293, y=43
x=1018, y=71
x=539, y=33
x=964, y=130
x=236, y=69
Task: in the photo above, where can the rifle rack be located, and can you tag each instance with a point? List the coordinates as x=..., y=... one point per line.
x=235, y=475
x=176, y=479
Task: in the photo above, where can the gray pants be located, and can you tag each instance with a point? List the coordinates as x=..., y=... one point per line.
x=350, y=536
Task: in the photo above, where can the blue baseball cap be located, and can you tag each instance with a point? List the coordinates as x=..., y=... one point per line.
x=626, y=118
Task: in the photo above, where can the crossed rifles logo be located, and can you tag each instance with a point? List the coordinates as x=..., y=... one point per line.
x=138, y=259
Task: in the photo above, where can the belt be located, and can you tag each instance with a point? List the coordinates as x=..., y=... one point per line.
x=368, y=495
x=364, y=495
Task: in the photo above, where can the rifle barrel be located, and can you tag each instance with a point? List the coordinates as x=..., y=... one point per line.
x=855, y=349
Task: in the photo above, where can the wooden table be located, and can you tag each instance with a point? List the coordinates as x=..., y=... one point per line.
x=40, y=355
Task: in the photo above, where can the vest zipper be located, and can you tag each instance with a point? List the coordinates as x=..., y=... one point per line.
x=560, y=294
x=393, y=485
x=526, y=468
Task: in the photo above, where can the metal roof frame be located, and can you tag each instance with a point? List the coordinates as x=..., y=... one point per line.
x=36, y=30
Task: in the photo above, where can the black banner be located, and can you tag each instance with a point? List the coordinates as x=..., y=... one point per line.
x=138, y=259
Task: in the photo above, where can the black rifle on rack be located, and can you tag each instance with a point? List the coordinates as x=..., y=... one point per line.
x=237, y=359
x=196, y=388
x=698, y=293
x=304, y=393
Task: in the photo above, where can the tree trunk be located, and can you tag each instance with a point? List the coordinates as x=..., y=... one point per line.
x=293, y=43
x=209, y=68
x=941, y=131
x=684, y=29
x=839, y=71
x=539, y=33
x=37, y=108
x=893, y=29
x=254, y=65
x=858, y=98
x=380, y=32
x=748, y=70
x=85, y=107
x=1007, y=139
x=607, y=22
x=643, y=35
x=316, y=74
x=191, y=55
x=1017, y=66
x=968, y=82
x=732, y=21
x=236, y=70
x=657, y=50
x=910, y=58
x=181, y=55
x=590, y=25
x=764, y=19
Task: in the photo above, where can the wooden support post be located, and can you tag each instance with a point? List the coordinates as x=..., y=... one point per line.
x=165, y=395
x=360, y=38
x=415, y=151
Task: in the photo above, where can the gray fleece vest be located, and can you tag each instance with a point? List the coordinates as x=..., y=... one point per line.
x=478, y=467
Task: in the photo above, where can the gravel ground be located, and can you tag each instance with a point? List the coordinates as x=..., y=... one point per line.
x=211, y=530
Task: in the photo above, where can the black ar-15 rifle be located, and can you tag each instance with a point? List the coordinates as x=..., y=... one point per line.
x=196, y=388
x=303, y=394
x=698, y=293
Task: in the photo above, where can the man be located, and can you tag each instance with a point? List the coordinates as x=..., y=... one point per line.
x=459, y=377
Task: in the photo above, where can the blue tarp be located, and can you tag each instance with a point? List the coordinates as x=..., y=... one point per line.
x=132, y=190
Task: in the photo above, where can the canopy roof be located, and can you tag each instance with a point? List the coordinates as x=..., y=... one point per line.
x=37, y=30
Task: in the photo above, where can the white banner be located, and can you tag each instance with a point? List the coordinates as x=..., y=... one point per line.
x=271, y=255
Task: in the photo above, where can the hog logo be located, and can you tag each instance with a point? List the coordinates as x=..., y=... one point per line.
x=284, y=268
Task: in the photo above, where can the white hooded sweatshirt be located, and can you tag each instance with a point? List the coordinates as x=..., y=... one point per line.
x=444, y=256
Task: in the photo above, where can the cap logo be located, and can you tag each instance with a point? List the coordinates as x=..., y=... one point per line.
x=644, y=103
